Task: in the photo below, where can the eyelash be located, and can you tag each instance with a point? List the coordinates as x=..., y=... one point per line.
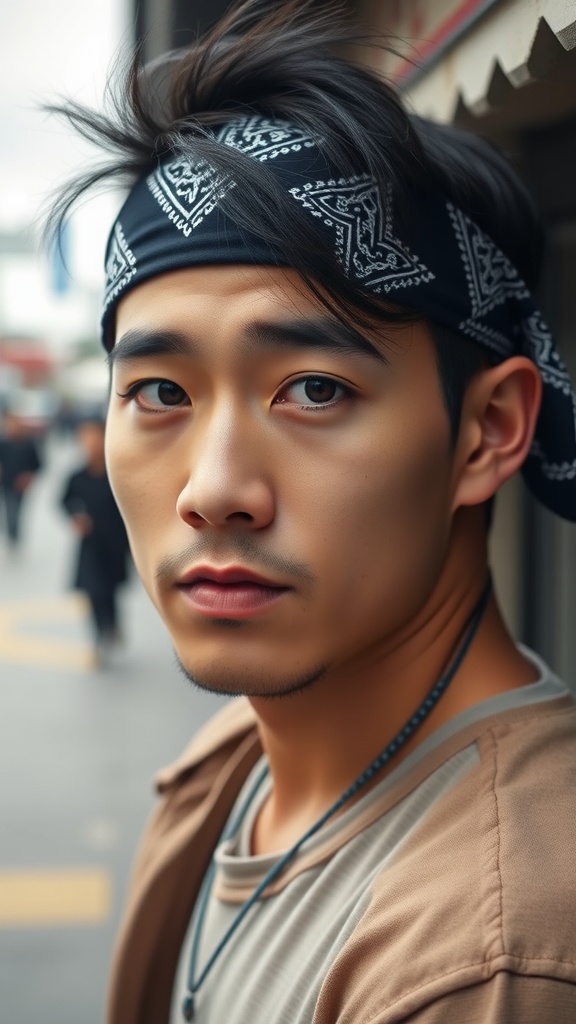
x=132, y=393
x=135, y=389
x=346, y=392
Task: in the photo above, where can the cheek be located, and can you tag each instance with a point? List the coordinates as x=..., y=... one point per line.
x=382, y=523
x=395, y=475
x=134, y=478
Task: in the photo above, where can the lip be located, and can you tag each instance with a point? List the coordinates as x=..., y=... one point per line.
x=232, y=593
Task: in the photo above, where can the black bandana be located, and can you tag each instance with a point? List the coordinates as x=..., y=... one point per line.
x=452, y=273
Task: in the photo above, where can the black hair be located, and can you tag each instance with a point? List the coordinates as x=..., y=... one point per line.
x=458, y=361
x=286, y=60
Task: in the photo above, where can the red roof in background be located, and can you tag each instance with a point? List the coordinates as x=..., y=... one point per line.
x=26, y=354
x=29, y=357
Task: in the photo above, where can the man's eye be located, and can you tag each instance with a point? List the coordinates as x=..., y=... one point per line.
x=156, y=395
x=314, y=391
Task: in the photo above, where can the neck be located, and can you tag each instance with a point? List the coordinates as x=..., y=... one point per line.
x=320, y=740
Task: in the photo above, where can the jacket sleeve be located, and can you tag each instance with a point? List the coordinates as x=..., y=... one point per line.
x=503, y=999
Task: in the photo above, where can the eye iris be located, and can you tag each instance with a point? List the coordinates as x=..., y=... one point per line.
x=168, y=393
x=319, y=390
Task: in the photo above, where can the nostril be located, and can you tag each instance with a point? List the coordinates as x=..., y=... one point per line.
x=225, y=501
x=193, y=518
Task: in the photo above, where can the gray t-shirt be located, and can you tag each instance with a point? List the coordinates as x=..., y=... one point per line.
x=293, y=934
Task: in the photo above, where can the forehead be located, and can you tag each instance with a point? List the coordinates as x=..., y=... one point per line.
x=241, y=289
x=254, y=308
x=245, y=310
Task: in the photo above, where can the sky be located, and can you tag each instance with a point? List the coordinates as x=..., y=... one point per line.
x=48, y=49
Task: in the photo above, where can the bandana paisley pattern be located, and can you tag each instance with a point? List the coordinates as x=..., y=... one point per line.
x=364, y=239
x=121, y=265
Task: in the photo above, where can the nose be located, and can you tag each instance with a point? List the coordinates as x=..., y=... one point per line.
x=227, y=480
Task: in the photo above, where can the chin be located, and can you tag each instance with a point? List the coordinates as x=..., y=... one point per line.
x=244, y=681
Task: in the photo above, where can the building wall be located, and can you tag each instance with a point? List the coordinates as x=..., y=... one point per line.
x=479, y=55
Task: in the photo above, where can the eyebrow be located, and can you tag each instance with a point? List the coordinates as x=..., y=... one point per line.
x=321, y=332
x=324, y=333
x=141, y=344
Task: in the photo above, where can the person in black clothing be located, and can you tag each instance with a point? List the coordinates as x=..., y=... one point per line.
x=19, y=463
x=102, y=556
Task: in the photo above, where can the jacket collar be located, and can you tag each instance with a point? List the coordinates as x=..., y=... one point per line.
x=234, y=721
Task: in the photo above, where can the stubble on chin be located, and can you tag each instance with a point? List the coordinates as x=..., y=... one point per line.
x=226, y=683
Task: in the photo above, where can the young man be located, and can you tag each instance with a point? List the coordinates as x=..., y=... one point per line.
x=325, y=360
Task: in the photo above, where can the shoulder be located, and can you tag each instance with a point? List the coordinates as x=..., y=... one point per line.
x=504, y=838
x=485, y=885
x=529, y=783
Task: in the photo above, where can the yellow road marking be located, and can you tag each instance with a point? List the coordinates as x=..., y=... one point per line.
x=54, y=897
x=30, y=649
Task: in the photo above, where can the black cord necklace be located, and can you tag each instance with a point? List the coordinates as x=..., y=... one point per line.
x=408, y=730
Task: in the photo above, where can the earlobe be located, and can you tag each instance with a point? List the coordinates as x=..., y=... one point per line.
x=499, y=416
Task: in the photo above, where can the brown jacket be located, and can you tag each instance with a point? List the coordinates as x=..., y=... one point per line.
x=474, y=923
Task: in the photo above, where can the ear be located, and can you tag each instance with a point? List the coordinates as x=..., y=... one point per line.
x=498, y=419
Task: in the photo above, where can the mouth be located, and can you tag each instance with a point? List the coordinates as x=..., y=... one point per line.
x=232, y=593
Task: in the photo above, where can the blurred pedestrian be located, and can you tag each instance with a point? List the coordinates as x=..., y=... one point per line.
x=102, y=553
x=19, y=463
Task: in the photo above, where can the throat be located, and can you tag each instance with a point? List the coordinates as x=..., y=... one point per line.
x=343, y=756
x=275, y=829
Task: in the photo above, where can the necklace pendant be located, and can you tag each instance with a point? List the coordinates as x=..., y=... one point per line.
x=188, y=1008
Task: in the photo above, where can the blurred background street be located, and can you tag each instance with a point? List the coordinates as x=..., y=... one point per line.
x=79, y=746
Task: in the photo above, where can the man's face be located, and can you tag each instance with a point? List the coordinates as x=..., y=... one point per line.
x=287, y=488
